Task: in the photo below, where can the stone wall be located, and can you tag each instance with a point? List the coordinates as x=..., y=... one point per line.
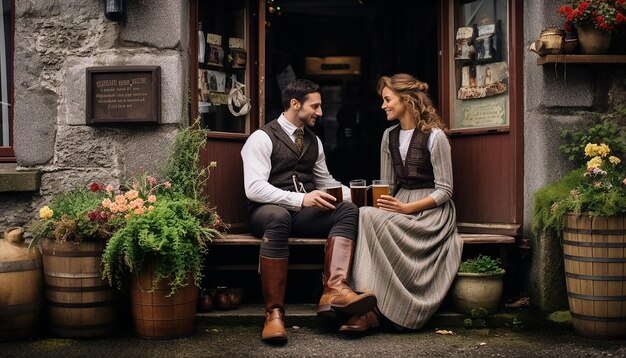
x=556, y=97
x=55, y=40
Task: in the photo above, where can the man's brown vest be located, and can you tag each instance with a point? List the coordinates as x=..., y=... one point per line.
x=285, y=159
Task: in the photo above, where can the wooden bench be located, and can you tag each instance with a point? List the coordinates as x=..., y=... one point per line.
x=249, y=240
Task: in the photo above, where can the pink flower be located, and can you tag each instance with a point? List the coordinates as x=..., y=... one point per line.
x=167, y=185
x=120, y=199
x=109, y=189
x=151, y=199
x=624, y=181
x=151, y=180
x=131, y=194
x=597, y=184
x=103, y=214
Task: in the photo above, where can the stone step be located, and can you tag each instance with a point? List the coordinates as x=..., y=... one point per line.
x=304, y=315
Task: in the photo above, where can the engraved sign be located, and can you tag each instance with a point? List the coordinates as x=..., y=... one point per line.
x=129, y=94
x=485, y=113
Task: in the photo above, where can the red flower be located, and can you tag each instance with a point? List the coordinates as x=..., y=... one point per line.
x=94, y=187
x=621, y=2
x=566, y=9
x=569, y=27
x=583, y=6
x=93, y=216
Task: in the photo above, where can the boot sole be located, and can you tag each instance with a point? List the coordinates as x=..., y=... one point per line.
x=359, y=307
x=275, y=339
x=326, y=312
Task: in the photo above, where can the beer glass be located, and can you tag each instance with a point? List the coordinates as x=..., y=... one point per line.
x=380, y=187
x=358, y=192
x=335, y=190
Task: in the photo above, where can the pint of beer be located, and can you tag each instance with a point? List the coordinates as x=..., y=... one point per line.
x=335, y=190
x=358, y=192
x=380, y=187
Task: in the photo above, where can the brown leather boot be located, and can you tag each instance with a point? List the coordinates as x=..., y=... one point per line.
x=274, y=283
x=362, y=323
x=337, y=295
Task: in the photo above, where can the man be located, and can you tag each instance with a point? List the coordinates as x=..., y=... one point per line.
x=284, y=165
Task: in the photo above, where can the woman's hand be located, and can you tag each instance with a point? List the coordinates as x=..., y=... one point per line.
x=389, y=203
x=320, y=199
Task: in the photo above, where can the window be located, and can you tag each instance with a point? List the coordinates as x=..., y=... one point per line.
x=223, y=93
x=6, y=81
x=479, y=82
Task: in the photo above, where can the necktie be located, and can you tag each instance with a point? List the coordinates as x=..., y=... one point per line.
x=299, y=139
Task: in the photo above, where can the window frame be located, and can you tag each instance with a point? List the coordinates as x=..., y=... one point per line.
x=7, y=154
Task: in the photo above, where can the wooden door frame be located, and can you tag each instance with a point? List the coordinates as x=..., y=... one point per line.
x=516, y=101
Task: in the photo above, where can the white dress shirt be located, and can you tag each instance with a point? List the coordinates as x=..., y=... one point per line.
x=257, y=165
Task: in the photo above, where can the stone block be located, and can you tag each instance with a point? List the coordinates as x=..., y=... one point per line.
x=145, y=149
x=35, y=115
x=57, y=180
x=84, y=147
x=12, y=180
x=155, y=23
x=547, y=287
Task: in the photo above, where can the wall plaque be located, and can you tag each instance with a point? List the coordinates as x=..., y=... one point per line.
x=126, y=94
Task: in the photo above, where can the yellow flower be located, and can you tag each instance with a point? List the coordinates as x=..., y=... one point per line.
x=590, y=149
x=603, y=150
x=614, y=160
x=595, y=162
x=45, y=213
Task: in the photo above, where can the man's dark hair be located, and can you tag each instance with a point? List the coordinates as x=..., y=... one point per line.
x=298, y=89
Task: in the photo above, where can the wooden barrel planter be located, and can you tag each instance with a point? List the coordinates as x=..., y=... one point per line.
x=21, y=281
x=80, y=303
x=594, y=250
x=156, y=315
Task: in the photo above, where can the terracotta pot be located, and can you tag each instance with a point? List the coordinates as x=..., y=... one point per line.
x=477, y=290
x=594, y=250
x=593, y=41
x=21, y=281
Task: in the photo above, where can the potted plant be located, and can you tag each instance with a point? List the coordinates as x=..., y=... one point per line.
x=594, y=21
x=478, y=285
x=158, y=252
x=80, y=303
x=588, y=214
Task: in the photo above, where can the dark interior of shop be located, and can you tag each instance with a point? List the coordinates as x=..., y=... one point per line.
x=386, y=37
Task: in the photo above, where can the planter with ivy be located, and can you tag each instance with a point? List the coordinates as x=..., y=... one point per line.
x=478, y=285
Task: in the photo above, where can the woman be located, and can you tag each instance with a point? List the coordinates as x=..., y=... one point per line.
x=408, y=250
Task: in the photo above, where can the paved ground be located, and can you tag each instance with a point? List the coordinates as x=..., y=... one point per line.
x=243, y=341
x=218, y=335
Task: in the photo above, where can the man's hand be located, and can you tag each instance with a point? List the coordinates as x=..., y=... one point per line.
x=320, y=199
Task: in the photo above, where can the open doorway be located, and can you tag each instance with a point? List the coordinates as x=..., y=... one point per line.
x=364, y=38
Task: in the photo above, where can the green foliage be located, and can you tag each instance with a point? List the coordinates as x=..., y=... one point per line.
x=476, y=318
x=607, y=131
x=598, y=186
x=482, y=264
x=66, y=218
x=546, y=216
x=183, y=168
x=171, y=235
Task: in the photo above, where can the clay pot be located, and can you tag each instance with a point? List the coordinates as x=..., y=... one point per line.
x=593, y=41
x=21, y=280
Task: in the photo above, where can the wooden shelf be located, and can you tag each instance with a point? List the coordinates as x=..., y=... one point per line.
x=581, y=59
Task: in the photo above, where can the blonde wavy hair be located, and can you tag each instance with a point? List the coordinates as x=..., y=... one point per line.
x=413, y=93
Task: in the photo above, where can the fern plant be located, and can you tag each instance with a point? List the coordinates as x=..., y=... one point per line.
x=170, y=235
